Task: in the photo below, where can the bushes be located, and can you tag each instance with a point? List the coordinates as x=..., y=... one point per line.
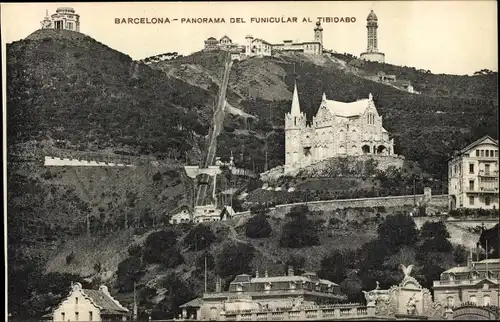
x=235, y=259
x=200, y=237
x=300, y=231
x=160, y=248
x=258, y=227
x=129, y=271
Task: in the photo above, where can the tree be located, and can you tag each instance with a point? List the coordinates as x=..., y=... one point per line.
x=258, y=227
x=333, y=267
x=160, y=248
x=199, y=238
x=177, y=293
x=397, y=230
x=492, y=238
x=235, y=259
x=129, y=271
x=297, y=262
x=300, y=231
x=434, y=229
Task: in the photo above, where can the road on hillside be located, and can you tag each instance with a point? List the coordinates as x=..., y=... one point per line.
x=217, y=125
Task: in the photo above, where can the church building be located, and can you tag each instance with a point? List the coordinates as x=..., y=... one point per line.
x=338, y=129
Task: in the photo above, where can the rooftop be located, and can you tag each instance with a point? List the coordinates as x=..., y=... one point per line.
x=347, y=109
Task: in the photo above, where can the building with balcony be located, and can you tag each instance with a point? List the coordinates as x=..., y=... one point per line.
x=473, y=175
x=476, y=284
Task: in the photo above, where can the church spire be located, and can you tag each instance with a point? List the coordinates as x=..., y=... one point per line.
x=295, y=102
x=323, y=98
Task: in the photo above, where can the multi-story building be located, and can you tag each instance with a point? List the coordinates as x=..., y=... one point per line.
x=88, y=305
x=248, y=293
x=64, y=18
x=475, y=283
x=473, y=175
x=337, y=129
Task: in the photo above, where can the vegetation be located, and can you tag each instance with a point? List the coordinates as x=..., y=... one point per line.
x=258, y=226
x=300, y=231
x=199, y=238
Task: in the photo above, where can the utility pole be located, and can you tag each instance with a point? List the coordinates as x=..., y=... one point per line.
x=414, y=192
x=205, y=274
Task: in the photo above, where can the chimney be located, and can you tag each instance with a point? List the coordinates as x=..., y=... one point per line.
x=257, y=273
x=290, y=270
x=218, y=285
x=265, y=273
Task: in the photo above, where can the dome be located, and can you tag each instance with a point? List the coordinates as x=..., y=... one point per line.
x=372, y=16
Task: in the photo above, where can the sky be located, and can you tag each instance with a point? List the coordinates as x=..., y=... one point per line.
x=452, y=37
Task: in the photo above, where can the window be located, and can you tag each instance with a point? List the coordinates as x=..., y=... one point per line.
x=482, y=153
x=487, y=169
x=477, y=153
x=295, y=121
x=487, y=153
x=473, y=299
x=496, y=153
x=90, y=316
x=471, y=200
x=486, y=300
x=451, y=301
x=471, y=185
x=487, y=201
x=76, y=300
x=471, y=167
x=76, y=316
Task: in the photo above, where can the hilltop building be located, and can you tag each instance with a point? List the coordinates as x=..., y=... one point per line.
x=89, y=305
x=391, y=79
x=260, y=47
x=275, y=293
x=473, y=175
x=64, y=18
x=372, y=53
x=338, y=129
x=476, y=283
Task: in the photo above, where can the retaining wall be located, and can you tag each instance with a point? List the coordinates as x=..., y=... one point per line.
x=67, y=162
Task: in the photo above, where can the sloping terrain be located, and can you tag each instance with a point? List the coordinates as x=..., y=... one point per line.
x=451, y=112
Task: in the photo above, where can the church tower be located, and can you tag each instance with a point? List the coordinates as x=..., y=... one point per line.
x=318, y=33
x=46, y=22
x=372, y=53
x=295, y=123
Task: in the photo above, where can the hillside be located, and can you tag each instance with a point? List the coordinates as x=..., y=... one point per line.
x=65, y=86
x=452, y=111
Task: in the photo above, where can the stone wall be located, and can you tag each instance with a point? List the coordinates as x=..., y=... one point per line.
x=438, y=202
x=68, y=162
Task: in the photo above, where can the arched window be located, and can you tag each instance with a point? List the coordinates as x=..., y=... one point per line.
x=486, y=300
x=473, y=299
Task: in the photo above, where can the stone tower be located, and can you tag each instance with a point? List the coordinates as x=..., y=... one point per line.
x=371, y=26
x=318, y=33
x=295, y=123
x=372, y=52
x=248, y=45
x=46, y=22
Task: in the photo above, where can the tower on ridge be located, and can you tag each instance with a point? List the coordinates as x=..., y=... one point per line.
x=372, y=53
x=318, y=33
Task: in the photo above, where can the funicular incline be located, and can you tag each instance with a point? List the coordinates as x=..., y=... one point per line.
x=217, y=125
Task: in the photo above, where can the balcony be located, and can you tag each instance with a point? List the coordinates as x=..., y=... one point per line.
x=488, y=174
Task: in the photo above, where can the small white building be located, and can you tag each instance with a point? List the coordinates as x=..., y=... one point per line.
x=89, y=305
x=181, y=216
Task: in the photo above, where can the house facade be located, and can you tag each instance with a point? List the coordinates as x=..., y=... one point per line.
x=476, y=283
x=273, y=293
x=89, y=305
x=473, y=176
